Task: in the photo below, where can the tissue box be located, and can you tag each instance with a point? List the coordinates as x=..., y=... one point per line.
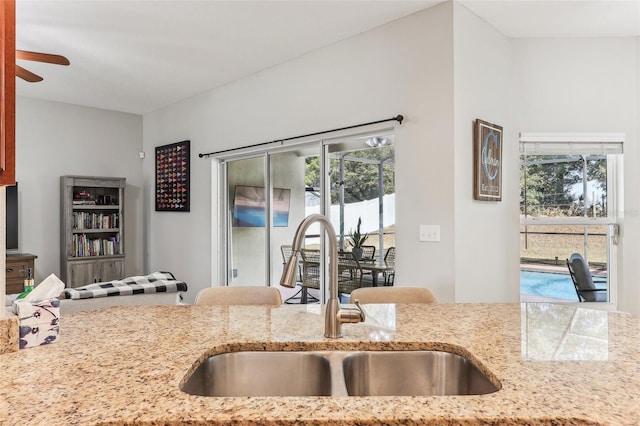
x=39, y=322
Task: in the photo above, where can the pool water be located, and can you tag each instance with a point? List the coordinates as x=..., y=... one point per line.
x=547, y=284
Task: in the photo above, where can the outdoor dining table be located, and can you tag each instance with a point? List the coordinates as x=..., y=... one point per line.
x=375, y=267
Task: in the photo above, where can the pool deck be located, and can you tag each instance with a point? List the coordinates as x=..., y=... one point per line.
x=558, y=269
x=527, y=298
x=539, y=267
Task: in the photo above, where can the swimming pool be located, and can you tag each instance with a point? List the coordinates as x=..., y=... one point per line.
x=547, y=284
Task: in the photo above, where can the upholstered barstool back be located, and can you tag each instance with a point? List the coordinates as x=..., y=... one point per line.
x=244, y=295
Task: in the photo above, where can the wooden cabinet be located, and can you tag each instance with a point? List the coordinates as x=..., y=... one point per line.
x=17, y=265
x=8, y=91
x=89, y=271
x=91, y=229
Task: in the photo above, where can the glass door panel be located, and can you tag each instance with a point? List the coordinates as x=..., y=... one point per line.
x=362, y=191
x=362, y=182
x=246, y=228
x=288, y=195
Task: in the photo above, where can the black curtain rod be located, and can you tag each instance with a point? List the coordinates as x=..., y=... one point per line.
x=397, y=118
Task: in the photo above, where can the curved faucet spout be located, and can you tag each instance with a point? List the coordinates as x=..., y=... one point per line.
x=334, y=316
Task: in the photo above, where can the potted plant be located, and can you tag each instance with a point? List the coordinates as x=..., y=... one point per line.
x=357, y=239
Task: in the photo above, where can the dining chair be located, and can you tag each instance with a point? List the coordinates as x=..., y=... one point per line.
x=349, y=272
x=310, y=273
x=243, y=295
x=392, y=295
x=287, y=251
x=368, y=252
x=390, y=259
x=368, y=255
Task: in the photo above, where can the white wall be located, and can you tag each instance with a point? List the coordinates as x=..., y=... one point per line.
x=487, y=244
x=588, y=85
x=55, y=139
x=441, y=68
x=405, y=67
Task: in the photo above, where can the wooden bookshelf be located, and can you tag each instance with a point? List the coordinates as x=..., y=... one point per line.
x=91, y=229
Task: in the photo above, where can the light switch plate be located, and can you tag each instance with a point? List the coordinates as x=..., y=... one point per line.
x=430, y=233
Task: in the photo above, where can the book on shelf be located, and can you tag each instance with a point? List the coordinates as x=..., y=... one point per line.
x=88, y=220
x=84, y=246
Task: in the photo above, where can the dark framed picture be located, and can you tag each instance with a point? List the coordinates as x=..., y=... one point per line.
x=172, y=177
x=487, y=161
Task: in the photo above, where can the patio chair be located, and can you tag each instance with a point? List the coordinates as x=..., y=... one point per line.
x=584, y=282
x=368, y=252
x=286, y=251
x=392, y=295
x=390, y=259
x=310, y=273
x=368, y=255
x=349, y=272
x=245, y=295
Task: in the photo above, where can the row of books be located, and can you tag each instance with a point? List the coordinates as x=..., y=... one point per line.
x=84, y=246
x=86, y=220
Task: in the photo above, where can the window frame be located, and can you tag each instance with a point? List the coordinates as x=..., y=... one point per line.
x=220, y=197
x=610, y=145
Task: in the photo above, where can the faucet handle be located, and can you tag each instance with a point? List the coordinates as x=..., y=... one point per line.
x=357, y=303
x=350, y=315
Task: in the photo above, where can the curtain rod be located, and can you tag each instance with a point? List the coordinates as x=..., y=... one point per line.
x=397, y=118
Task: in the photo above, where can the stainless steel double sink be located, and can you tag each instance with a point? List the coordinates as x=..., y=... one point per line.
x=338, y=373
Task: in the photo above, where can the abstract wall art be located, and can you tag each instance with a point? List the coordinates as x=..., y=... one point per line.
x=172, y=177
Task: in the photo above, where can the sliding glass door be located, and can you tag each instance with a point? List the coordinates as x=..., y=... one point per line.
x=267, y=195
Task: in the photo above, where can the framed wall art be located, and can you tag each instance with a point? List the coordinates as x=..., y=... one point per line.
x=487, y=161
x=172, y=177
x=249, y=205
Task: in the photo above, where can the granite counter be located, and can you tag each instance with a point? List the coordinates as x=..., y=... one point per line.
x=556, y=364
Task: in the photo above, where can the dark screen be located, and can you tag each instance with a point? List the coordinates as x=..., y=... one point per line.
x=12, y=217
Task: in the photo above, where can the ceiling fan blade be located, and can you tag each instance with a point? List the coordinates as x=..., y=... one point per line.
x=41, y=57
x=27, y=75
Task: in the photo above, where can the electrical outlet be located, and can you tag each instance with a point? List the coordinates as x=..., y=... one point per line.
x=430, y=233
x=234, y=272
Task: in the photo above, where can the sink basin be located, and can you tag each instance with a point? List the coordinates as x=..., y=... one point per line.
x=409, y=373
x=262, y=374
x=338, y=374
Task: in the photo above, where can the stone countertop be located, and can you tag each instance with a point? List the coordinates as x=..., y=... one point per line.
x=556, y=364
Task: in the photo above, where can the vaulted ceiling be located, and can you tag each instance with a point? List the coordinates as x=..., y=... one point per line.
x=138, y=56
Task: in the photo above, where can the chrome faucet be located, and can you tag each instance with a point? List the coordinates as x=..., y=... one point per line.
x=334, y=315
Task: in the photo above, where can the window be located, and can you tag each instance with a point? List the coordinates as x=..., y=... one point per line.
x=568, y=204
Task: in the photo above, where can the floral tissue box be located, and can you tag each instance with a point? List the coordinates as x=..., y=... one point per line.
x=39, y=322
